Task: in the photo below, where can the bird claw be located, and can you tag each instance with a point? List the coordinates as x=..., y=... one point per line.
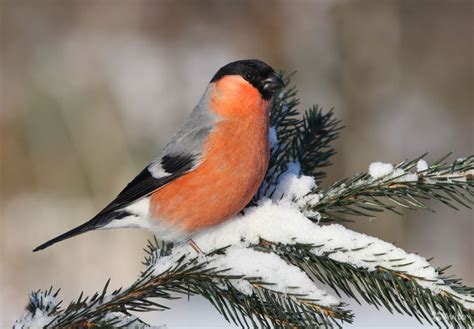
x=195, y=247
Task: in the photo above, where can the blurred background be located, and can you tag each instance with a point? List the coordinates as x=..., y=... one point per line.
x=92, y=90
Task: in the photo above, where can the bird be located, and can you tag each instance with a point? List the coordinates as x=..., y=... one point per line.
x=209, y=170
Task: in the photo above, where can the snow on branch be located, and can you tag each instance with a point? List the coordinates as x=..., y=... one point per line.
x=391, y=289
x=408, y=185
x=265, y=266
x=283, y=224
x=242, y=294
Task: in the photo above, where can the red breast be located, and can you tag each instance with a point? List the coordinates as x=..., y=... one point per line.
x=234, y=162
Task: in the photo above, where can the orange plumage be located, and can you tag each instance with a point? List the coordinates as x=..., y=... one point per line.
x=235, y=159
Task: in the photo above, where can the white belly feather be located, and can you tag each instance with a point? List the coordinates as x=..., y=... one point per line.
x=140, y=218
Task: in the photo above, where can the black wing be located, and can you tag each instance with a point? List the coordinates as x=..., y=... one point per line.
x=144, y=184
x=173, y=166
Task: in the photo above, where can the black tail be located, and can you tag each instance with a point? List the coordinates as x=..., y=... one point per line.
x=88, y=226
x=98, y=221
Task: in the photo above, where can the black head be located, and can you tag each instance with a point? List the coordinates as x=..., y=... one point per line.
x=260, y=75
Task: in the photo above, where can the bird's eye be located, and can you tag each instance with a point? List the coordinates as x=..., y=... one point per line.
x=249, y=76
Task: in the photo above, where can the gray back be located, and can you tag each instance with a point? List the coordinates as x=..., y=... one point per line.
x=189, y=139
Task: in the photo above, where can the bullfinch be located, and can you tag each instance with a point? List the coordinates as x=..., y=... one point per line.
x=210, y=169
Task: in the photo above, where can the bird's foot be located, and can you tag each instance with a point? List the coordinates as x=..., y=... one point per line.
x=195, y=247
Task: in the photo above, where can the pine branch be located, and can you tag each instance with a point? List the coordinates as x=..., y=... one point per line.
x=264, y=307
x=44, y=306
x=449, y=183
x=391, y=289
x=305, y=140
x=311, y=146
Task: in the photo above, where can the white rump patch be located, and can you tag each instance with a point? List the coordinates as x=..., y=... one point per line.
x=140, y=207
x=126, y=222
x=138, y=218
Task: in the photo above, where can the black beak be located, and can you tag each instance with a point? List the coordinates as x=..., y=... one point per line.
x=273, y=83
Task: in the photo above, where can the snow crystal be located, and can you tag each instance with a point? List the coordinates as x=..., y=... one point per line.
x=40, y=318
x=380, y=169
x=29, y=320
x=404, y=177
x=292, y=184
x=397, y=173
x=421, y=165
x=263, y=265
x=270, y=221
x=306, y=203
